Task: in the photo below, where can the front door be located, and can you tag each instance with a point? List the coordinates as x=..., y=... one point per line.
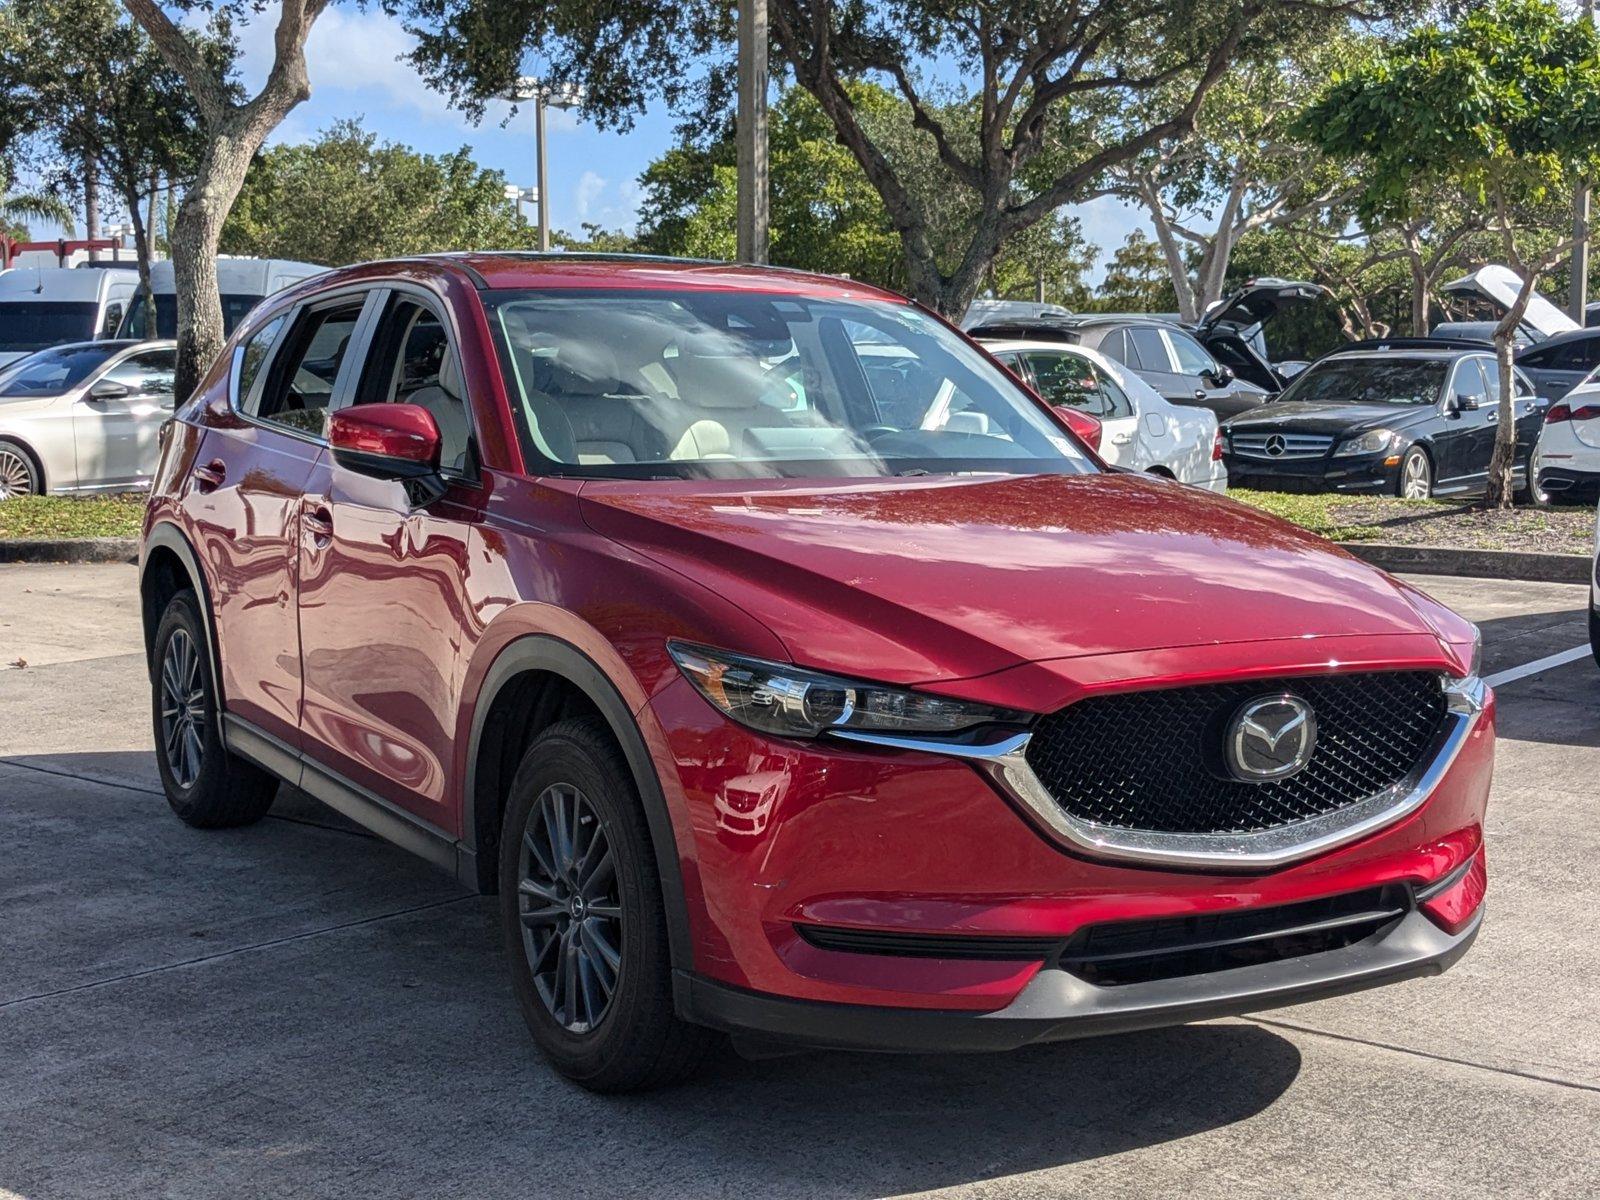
x=382, y=587
x=1462, y=450
x=116, y=423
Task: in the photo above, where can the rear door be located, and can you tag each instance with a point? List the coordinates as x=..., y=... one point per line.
x=116, y=435
x=1065, y=379
x=1556, y=370
x=248, y=493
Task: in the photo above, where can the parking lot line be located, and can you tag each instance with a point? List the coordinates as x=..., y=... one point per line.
x=1512, y=674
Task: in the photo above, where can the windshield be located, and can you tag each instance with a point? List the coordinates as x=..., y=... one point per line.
x=52, y=372
x=695, y=384
x=34, y=324
x=1369, y=381
x=234, y=310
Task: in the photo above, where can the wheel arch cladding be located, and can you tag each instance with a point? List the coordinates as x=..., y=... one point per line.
x=168, y=565
x=534, y=682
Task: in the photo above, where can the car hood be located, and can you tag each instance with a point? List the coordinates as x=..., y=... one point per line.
x=12, y=407
x=917, y=580
x=1323, y=417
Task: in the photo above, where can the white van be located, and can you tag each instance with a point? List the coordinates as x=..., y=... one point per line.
x=48, y=306
x=243, y=282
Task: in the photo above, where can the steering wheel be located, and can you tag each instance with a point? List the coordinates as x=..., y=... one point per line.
x=873, y=432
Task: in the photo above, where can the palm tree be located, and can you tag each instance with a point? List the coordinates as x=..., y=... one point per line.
x=35, y=206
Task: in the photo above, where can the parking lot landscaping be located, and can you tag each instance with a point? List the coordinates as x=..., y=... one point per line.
x=65, y=517
x=1453, y=524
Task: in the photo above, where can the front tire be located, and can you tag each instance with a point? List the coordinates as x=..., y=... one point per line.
x=584, y=917
x=1416, y=475
x=206, y=785
x=19, y=474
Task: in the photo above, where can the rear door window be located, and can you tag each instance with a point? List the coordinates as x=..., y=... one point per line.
x=300, y=388
x=1075, y=382
x=1149, y=350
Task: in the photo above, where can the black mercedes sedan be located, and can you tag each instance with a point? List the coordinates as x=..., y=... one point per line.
x=1411, y=417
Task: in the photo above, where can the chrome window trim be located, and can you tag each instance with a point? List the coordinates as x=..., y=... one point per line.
x=1004, y=762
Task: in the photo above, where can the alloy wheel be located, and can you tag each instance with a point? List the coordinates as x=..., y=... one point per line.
x=570, y=907
x=16, y=474
x=1414, y=482
x=183, y=709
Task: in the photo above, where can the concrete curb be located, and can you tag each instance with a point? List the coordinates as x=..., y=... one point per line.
x=69, y=550
x=1475, y=564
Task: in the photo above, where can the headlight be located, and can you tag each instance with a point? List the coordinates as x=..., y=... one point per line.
x=1373, y=441
x=781, y=699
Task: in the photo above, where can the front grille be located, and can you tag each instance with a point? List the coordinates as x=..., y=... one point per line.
x=1153, y=760
x=1274, y=446
x=1124, y=952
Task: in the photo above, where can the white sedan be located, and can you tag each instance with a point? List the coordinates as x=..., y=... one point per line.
x=1566, y=459
x=1141, y=431
x=84, y=418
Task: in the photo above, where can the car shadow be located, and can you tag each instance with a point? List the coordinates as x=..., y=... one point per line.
x=372, y=1039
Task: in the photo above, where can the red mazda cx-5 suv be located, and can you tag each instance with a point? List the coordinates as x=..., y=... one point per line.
x=787, y=669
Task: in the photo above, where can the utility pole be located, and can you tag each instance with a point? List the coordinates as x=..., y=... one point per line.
x=750, y=127
x=1578, y=286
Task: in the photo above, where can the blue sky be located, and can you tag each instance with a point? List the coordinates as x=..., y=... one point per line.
x=355, y=60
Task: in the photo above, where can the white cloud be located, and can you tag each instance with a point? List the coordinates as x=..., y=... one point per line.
x=590, y=188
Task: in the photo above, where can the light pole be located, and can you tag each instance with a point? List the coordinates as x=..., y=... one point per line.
x=750, y=132
x=544, y=95
x=119, y=232
x=520, y=195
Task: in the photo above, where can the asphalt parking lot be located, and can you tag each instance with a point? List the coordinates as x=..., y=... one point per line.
x=299, y=1009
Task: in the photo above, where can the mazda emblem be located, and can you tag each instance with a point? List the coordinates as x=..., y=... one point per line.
x=1271, y=737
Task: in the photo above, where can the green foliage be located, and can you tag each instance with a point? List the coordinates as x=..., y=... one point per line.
x=1137, y=279
x=347, y=197
x=1506, y=102
x=826, y=215
x=84, y=83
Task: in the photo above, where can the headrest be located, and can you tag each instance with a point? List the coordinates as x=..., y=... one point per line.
x=707, y=381
x=578, y=368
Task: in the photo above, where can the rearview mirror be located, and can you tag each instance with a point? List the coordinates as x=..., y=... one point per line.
x=1085, y=425
x=390, y=441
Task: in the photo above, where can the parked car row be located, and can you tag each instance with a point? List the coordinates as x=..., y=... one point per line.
x=87, y=371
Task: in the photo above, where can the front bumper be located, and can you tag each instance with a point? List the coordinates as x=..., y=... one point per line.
x=1058, y=1006
x=1361, y=473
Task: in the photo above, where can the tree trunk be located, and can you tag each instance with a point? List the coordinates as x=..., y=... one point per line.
x=1499, y=493
x=91, y=204
x=194, y=240
x=141, y=254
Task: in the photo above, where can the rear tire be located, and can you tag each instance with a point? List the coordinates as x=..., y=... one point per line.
x=580, y=893
x=19, y=473
x=1416, y=475
x=206, y=785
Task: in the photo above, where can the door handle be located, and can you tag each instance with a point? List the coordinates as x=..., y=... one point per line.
x=1122, y=439
x=1199, y=393
x=318, y=524
x=209, y=477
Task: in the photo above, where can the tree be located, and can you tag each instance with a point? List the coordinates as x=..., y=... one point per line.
x=17, y=207
x=1034, y=78
x=1239, y=171
x=1136, y=279
x=101, y=102
x=1504, y=105
x=233, y=129
x=347, y=197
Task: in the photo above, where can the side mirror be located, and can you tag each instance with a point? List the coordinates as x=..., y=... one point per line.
x=109, y=389
x=1085, y=425
x=1462, y=404
x=398, y=442
x=1219, y=376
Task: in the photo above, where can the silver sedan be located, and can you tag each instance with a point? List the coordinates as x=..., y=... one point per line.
x=84, y=418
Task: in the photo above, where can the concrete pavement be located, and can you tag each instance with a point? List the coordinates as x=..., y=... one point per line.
x=299, y=1009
